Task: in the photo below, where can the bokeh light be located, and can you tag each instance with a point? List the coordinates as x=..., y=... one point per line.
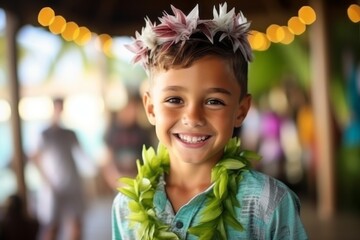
x=58, y=25
x=71, y=31
x=353, y=13
x=307, y=15
x=5, y=110
x=296, y=26
x=84, y=36
x=271, y=33
x=46, y=16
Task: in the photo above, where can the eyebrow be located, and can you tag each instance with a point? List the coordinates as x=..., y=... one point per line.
x=210, y=90
x=220, y=90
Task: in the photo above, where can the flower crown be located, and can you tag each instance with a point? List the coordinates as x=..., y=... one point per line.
x=179, y=28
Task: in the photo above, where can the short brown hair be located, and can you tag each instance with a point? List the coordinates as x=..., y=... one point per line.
x=184, y=54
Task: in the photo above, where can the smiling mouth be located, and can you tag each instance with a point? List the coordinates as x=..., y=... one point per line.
x=192, y=139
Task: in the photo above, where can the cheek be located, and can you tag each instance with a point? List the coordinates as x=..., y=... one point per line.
x=224, y=116
x=164, y=115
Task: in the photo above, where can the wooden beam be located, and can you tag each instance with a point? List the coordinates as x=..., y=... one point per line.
x=12, y=27
x=320, y=79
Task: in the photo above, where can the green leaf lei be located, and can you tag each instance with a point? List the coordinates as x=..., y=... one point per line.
x=219, y=206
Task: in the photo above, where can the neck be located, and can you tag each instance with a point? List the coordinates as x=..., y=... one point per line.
x=189, y=178
x=189, y=175
x=182, y=184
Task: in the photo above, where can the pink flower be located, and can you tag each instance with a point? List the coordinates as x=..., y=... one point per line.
x=143, y=43
x=235, y=27
x=178, y=27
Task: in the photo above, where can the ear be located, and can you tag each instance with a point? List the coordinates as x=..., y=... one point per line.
x=243, y=109
x=149, y=107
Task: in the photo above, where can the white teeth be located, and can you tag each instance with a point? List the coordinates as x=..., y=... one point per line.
x=190, y=139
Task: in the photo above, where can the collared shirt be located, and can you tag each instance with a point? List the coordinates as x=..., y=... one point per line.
x=269, y=210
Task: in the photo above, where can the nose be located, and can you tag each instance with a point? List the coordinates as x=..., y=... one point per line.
x=193, y=116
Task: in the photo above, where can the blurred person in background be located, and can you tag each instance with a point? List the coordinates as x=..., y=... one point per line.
x=124, y=140
x=269, y=140
x=61, y=199
x=16, y=224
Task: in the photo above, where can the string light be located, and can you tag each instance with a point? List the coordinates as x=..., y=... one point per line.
x=58, y=25
x=71, y=31
x=259, y=41
x=288, y=36
x=271, y=33
x=353, y=13
x=105, y=41
x=296, y=26
x=83, y=37
x=46, y=16
x=307, y=15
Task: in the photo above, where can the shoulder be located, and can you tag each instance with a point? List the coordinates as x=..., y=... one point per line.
x=68, y=131
x=120, y=201
x=120, y=223
x=260, y=182
x=120, y=207
x=68, y=135
x=265, y=193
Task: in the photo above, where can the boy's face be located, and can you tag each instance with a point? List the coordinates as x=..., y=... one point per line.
x=195, y=109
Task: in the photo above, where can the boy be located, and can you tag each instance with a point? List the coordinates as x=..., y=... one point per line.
x=198, y=185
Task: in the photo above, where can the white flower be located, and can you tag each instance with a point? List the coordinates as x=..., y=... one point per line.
x=223, y=20
x=178, y=27
x=148, y=36
x=240, y=19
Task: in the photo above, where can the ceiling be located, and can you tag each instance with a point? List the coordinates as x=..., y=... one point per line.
x=118, y=17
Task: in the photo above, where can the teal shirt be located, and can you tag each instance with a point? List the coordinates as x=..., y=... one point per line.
x=269, y=210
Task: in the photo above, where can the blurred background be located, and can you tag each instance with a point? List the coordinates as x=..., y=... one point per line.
x=304, y=120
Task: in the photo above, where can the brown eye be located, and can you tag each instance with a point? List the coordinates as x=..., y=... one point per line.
x=174, y=100
x=214, y=102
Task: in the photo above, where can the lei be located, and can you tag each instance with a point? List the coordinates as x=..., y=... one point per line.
x=218, y=211
x=179, y=28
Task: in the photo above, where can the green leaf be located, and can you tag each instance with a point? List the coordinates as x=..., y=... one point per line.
x=231, y=163
x=128, y=193
x=230, y=220
x=162, y=153
x=221, y=229
x=232, y=147
x=201, y=229
x=147, y=195
x=229, y=206
x=212, y=211
x=250, y=155
x=232, y=185
x=216, y=190
x=215, y=173
x=167, y=235
x=138, y=216
x=127, y=181
x=134, y=206
x=151, y=231
x=234, y=201
x=147, y=154
x=223, y=186
x=140, y=170
x=151, y=213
